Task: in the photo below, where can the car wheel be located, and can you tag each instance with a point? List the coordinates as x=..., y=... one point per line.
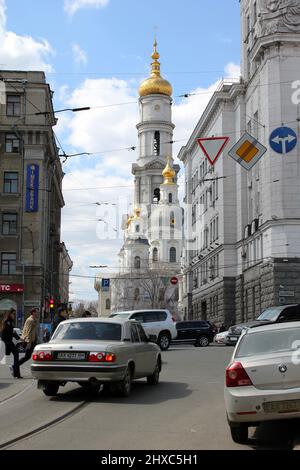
x=51, y=389
x=202, y=342
x=164, y=341
x=125, y=384
x=154, y=378
x=239, y=433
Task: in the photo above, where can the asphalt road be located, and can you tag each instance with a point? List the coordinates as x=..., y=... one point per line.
x=185, y=411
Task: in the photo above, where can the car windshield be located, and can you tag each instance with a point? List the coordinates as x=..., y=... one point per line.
x=271, y=314
x=121, y=314
x=268, y=342
x=95, y=331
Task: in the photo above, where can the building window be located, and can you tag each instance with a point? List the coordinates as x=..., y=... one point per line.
x=12, y=143
x=172, y=219
x=170, y=198
x=156, y=143
x=155, y=255
x=156, y=196
x=136, y=294
x=172, y=255
x=10, y=184
x=107, y=304
x=254, y=12
x=137, y=262
x=9, y=224
x=161, y=294
x=8, y=263
x=137, y=228
x=13, y=105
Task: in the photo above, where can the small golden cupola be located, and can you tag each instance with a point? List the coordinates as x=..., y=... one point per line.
x=168, y=173
x=155, y=84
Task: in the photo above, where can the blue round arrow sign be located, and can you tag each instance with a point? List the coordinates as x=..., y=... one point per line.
x=283, y=140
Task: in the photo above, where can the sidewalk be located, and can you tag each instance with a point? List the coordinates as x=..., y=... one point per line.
x=9, y=387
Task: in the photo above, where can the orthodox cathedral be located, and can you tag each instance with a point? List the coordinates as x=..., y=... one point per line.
x=151, y=253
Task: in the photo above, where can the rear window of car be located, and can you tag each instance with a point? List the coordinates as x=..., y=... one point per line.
x=271, y=314
x=154, y=316
x=93, y=331
x=268, y=342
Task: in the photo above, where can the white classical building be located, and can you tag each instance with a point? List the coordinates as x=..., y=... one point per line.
x=152, y=247
x=243, y=249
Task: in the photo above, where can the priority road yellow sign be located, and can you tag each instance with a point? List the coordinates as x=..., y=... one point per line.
x=247, y=151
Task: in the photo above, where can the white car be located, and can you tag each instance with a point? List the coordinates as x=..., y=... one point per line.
x=156, y=322
x=263, y=378
x=221, y=337
x=96, y=352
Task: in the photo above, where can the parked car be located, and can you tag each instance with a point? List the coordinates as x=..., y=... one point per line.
x=199, y=333
x=18, y=342
x=262, y=379
x=155, y=322
x=279, y=314
x=96, y=352
x=221, y=337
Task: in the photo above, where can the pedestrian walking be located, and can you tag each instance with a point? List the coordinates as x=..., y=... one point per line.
x=30, y=334
x=7, y=335
x=61, y=316
x=46, y=335
x=86, y=314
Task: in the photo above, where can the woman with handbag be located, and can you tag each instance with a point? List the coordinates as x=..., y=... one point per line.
x=7, y=335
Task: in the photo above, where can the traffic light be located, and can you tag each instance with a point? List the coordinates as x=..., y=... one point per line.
x=51, y=303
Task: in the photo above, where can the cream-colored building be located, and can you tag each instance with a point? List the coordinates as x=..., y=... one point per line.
x=242, y=252
x=30, y=195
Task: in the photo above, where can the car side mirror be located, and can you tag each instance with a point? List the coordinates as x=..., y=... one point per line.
x=152, y=338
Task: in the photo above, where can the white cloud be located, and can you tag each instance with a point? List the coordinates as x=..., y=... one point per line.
x=22, y=52
x=71, y=6
x=106, y=129
x=79, y=55
x=233, y=70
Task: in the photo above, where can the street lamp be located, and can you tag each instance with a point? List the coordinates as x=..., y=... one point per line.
x=74, y=110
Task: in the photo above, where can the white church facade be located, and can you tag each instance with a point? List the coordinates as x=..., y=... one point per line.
x=151, y=253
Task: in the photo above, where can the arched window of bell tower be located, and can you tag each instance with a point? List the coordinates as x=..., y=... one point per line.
x=156, y=143
x=156, y=196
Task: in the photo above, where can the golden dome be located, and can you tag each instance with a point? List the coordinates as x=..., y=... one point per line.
x=137, y=213
x=168, y=173
x=155, y=84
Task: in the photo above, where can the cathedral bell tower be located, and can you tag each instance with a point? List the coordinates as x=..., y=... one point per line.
x=155, y=134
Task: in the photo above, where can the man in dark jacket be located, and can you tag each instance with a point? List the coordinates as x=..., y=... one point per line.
x=61, y=316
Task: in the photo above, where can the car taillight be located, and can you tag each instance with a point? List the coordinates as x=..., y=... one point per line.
x=236, y=376
x=42, y=356
x=101, y=357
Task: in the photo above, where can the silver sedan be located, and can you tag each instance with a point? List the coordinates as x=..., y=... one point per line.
x=263, y=378
x=94, y=352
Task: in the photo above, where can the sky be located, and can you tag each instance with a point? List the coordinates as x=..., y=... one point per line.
x=95, y=53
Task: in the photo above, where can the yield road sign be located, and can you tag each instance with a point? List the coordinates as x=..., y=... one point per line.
x=212, y=147
x=283, y=140
x=247, y=151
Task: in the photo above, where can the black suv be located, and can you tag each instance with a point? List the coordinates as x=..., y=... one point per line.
x=279, y=314
x=199, y=333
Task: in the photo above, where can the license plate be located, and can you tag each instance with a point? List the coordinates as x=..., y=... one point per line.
x=71, y=356
x=286, y=406
x=232, y=338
